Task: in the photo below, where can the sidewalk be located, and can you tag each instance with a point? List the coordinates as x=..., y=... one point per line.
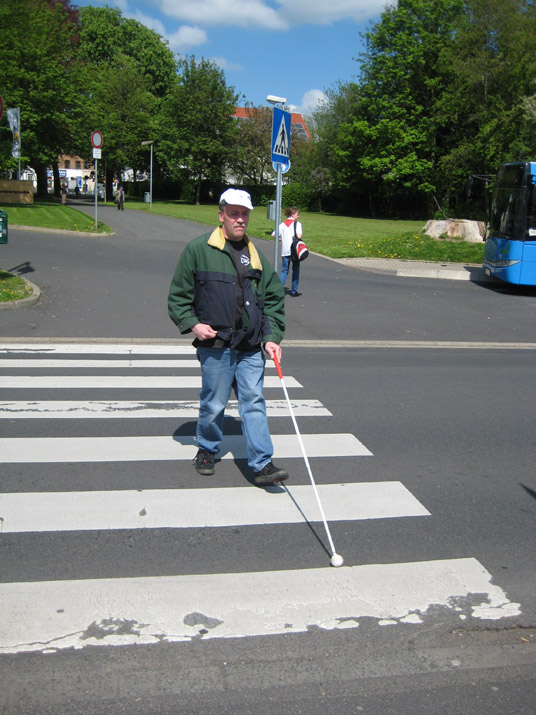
x=417, y=269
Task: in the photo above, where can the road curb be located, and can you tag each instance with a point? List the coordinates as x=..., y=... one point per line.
x=23, y=302
x=416, y=269
x=61, y=230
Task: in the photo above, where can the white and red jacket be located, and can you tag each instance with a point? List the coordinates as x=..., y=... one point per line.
x=286, y=232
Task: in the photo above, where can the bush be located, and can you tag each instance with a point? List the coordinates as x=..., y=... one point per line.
x=296, y=194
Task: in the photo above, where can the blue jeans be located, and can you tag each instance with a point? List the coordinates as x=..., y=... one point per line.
x=243, y=369
x=285, y=265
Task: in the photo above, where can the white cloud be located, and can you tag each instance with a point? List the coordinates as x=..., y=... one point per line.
x=320, y=12
x=310, y=102
x=186, y=37
x=150, y=22
x=255, y=13
x=236, y=13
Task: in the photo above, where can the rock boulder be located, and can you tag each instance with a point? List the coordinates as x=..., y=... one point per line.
x=472, y=231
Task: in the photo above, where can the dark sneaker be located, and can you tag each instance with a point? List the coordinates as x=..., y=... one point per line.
x=270, y=474
x=204, y=462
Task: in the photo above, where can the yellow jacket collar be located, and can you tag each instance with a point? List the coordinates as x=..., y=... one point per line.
x=217, y=239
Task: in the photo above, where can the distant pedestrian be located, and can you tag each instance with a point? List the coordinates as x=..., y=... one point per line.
x=290, y=229
x=120, y=199
x=64, y=193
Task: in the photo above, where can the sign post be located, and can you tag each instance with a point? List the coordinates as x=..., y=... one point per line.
x=150, y=143
x=96, y=141
x=281, y=162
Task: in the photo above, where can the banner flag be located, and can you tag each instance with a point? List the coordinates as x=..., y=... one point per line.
x=13, y=117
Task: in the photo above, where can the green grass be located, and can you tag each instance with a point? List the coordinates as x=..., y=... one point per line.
x=12, y=287
x=341, y=236
x=47, y=214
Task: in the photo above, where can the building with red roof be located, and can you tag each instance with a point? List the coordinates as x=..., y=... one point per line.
x=298, y=127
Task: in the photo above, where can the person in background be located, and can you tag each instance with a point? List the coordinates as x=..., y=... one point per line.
x=120, y=199
x=227, y=294
x=290, y=228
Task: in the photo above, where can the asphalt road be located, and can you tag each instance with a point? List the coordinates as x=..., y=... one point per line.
x=454, y=425
x=117, y=287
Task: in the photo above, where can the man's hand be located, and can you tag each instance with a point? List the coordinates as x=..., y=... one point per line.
x=202, y=331
x=273, y=349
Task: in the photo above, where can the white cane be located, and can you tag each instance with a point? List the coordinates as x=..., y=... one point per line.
x=336, y=559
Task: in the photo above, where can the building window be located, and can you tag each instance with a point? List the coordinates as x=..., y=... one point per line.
x=78, y=164
x=67, y=164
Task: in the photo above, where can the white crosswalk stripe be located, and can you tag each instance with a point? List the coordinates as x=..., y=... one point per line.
x=175, y=508
x=75, y=614
x=104, y=348
x=122, y=382
x=147, y=449
x=128, y=409
x=41, y=615
x=108, y=364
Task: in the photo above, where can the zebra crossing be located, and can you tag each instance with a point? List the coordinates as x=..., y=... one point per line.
x=45, y=615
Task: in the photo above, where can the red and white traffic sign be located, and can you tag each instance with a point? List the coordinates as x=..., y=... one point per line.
x=96, y=139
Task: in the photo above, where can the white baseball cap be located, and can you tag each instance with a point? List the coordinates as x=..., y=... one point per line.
x=237, y=197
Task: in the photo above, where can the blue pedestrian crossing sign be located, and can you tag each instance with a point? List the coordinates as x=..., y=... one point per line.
x=281, y=136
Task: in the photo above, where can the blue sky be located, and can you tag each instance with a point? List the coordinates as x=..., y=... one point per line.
x=291, y=48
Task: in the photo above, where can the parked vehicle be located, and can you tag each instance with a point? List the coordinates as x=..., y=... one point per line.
x=510, y=248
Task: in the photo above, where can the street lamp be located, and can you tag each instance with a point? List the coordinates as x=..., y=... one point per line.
x=150, y=143
x=274, y=100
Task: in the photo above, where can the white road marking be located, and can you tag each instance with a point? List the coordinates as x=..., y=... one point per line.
x=178, y=409
x=120, y=382
x=194, y=508
x=21, y=450
x=97, y=348
x=47, y=615
x=42, y=363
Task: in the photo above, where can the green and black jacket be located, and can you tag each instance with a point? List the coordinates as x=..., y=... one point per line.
x=204, y=290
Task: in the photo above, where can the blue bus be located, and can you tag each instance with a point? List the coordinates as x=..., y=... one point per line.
x=510, y=248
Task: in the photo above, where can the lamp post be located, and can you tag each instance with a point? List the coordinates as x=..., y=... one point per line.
x=150, y=143
x=274, y=100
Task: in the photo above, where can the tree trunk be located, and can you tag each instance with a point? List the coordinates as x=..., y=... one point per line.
x=42, y=184
x=109, y=184
x=56, y=180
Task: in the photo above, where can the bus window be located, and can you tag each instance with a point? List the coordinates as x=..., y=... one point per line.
x=531, y=213
x=508, y=218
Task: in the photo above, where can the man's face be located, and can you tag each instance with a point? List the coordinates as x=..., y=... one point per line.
x=234, y=221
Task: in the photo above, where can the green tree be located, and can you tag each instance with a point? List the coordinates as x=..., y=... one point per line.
x=394, y=134
x=493, y=60
x=105, y=35
x=196, y=124
x=130, y=70
x=41, y=76
x=125, y=109
x=249, y=159
x=330, y=187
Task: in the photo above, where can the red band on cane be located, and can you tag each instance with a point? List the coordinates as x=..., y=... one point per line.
x=278, y=367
